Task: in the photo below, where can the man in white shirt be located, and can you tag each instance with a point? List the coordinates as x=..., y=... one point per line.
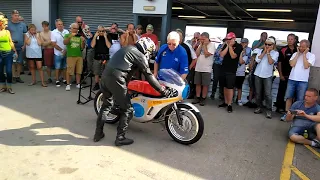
x=203, y=68
x=60, y=63
x=300, y=61
x=264, y=73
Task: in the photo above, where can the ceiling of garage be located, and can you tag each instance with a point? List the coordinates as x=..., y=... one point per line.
x=236, y=10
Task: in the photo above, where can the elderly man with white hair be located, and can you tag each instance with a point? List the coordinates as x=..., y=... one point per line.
x=172, y=56
x=75, y=43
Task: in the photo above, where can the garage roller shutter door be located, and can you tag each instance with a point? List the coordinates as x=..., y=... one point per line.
x=96, y=12
x=23, y=6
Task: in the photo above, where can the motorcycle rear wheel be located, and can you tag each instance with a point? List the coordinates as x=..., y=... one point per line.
x=191, y=120
x=112, y=118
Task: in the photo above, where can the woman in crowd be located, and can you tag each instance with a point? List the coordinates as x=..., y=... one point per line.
x=45, y=37
x=6, y=56
x=264, y=74
x=34, y=53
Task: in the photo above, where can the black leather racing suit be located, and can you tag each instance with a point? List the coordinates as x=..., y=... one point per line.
x=118, y=72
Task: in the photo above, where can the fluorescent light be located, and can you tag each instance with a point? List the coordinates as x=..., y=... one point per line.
x=177, y=7
x=196, y=17
x=270, y=10
x=267, y=19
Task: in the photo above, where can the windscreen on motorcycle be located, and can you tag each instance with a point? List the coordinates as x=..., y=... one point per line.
x=171, y=76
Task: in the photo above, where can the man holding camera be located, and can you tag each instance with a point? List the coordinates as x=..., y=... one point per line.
x=75, y=43
x=306, y=119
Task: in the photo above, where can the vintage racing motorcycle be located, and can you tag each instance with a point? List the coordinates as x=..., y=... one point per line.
x=183, y=120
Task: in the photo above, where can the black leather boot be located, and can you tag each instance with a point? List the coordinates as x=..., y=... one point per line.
x=122, y=140
x=99, y=125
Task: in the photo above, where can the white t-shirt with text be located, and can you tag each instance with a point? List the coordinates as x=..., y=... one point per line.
x=298, y=72
x=204, y=64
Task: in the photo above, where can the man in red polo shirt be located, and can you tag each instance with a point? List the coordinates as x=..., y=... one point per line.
x=149, y=34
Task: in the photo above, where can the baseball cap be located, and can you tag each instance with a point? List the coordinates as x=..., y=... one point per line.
x=205, y=34
x=149, y=27
x=244, y=40
x=230, y=35
x=271, y=40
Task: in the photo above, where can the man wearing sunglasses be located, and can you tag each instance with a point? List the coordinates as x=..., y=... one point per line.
x=172, y=56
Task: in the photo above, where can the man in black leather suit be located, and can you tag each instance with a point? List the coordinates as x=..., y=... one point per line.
x=115, y=78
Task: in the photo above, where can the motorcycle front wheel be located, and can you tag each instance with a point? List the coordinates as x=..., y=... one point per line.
x=111, y=118
x=191, y=129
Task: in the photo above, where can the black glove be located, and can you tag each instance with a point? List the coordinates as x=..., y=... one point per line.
x=165, y=92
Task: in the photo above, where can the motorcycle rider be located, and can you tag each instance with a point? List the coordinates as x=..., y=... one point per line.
x=117, y=74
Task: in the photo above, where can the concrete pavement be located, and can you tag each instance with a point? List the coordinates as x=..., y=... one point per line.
x=44, y=134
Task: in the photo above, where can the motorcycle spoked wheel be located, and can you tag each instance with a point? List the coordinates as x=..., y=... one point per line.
x=192, y=121
x=112, y=118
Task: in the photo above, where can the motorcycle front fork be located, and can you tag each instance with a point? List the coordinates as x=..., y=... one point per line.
x=175, y=107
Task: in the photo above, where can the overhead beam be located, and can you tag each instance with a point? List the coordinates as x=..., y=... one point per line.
x=224, y=5
x=192, y=8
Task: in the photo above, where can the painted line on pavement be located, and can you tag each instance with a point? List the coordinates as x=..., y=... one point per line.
x=287, y=161
x=299, y=173
x=313, y=151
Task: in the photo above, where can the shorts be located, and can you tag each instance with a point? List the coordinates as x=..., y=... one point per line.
x=202, y=78
x=228, y=80
x=60, y=62
x=34, y=59
x=239, y=81
x=97, y=67
x=21, y=56
x=297, y=88
x=299, y=130
x=48, y=57
x=74, y=63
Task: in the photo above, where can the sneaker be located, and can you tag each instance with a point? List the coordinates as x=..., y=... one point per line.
x=257, y=111
x=96, y=87
x=14, y=80
x=196, y=100
x=64, y=81
x=269, y=115
x=247, y=104
x=223, y=105
x=212, y=96
x=240, y=103
x=49, y=81
x=58, y=83
x=317, y=143
x=229, y=109
x=283, y=118
x=78, y=86
x=68, y=87
x=19, y=80
x=202, y=102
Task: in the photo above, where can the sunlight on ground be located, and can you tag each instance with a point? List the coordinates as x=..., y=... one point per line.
x=28, y=152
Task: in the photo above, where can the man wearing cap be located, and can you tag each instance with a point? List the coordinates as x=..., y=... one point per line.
x=149, y=34
x=263, y=75
x=230, y=53
x=172, y=56
x=17, y=30
x=240, y=74
x=202, y=77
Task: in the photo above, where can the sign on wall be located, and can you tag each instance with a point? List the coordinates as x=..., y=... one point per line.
x=150, y=6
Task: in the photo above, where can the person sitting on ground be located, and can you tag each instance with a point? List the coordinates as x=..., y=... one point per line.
x=306, y=117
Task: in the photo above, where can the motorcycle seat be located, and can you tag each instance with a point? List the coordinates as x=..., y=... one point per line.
x=143, y=87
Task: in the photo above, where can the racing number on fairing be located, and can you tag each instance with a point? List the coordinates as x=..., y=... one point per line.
x=143, y=100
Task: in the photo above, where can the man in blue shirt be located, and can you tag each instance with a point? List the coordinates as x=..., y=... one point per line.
x=172, y=56
x=17, y=30
x=216, y=73
x=306, y=120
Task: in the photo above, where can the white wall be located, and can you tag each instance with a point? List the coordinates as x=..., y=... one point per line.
x=316, y=44
x=40, y=12
x=160, y=6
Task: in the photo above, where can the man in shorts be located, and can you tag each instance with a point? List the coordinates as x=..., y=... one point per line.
x=202, y=77
x=230, y=52
x=74, y=42
x=306, y=120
